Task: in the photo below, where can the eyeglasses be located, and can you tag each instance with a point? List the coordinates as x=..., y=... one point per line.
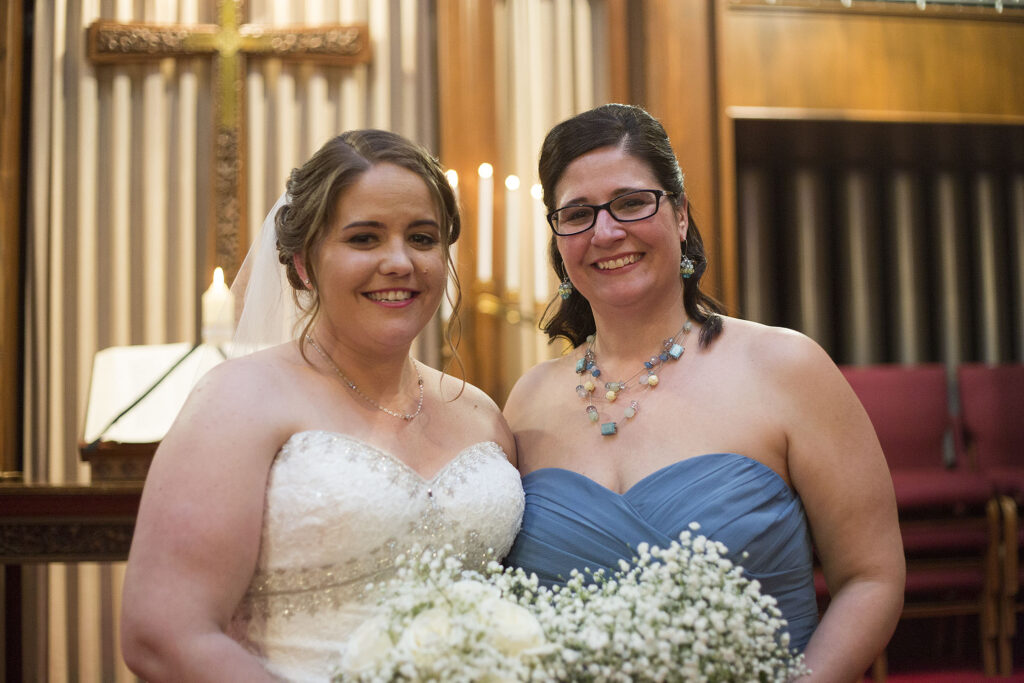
x=626, y=208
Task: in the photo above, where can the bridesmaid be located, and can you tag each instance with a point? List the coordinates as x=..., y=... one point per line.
x=668, y=412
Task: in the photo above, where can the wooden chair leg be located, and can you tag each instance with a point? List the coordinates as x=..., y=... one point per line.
x=991, y=628
x=880, y=668
x=1008, y=584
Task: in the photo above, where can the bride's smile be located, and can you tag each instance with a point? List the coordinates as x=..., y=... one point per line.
x=380, y=270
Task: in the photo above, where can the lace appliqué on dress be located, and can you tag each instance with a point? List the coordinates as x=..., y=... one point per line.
x=339, y=512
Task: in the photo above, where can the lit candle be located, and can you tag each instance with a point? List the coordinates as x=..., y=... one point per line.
x=453, y=180
x=512, y=233
x=218, y=305
x=484, y=224
x=448, y=299
x=540, y=245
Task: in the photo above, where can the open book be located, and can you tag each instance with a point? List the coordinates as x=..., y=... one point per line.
x=135, y=393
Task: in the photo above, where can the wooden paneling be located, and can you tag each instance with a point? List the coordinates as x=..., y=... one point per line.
x=851, y=62
x=680, y=93
x=803, y=59
x=469, y=137
x=618, y=50
x=10, y=235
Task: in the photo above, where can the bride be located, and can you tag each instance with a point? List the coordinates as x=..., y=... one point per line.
x=296, y=474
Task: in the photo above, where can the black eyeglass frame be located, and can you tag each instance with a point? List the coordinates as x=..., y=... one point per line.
x=607, y=206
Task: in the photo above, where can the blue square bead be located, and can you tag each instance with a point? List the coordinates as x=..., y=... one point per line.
x=608, y=428
x=675, y=351
x=580, y=365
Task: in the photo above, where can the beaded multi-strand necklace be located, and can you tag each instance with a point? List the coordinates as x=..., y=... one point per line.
x=672, y=349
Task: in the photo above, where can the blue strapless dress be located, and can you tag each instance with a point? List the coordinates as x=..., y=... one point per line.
x=572, y=522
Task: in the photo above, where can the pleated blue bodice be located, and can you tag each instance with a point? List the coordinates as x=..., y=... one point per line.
x=572, y=522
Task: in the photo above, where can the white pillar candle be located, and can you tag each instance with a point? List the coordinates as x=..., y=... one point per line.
x=541, y=237
x=484, y=224
x=453, y=180
x=446, y=301
x=512, y=233
x=218, y=304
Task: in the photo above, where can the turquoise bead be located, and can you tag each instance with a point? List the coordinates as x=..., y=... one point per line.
x=609, y=428
x=675, y=351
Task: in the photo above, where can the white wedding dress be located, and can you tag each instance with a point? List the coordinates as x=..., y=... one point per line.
x=338, y=512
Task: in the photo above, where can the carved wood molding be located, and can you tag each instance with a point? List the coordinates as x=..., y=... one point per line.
x=79, y=523
x=65, y=540
x=228, y=43
x=111, y=42
x=885, y=8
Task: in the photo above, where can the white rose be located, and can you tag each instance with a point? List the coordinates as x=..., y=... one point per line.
x=499, y=678
x=368, y=645
x=472, y=591
x=513, y=629
x=428, y=632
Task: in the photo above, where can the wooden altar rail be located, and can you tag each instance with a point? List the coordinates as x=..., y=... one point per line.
x=41, y=523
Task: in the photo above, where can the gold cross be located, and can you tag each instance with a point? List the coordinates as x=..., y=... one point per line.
x=228, y=41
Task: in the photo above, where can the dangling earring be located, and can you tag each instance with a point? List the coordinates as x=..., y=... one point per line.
x=685, y=264
x=565, y=288
x=686, y=267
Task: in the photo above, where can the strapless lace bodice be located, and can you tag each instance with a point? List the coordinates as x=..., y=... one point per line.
x=338, y=512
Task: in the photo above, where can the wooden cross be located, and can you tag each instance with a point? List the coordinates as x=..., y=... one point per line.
x=228, y=41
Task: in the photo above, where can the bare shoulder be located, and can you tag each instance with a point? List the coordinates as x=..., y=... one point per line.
x=780, y=353
x=245, y=383
x=249, y=400
x=535, y=382
x=792, y=373
x=470, y=410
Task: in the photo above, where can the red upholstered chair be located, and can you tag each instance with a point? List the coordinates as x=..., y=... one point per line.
x=949, y=518
x=992, y=413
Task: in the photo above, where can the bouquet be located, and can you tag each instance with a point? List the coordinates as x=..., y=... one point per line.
x=681, y=613
x=441, y=622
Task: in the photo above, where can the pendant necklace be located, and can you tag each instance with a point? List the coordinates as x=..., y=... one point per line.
x=408, y=417
x=671, y=349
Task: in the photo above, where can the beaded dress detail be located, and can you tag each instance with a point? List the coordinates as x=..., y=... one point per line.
x=338, y=512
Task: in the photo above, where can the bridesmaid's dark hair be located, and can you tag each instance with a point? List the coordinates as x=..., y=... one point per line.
x=640, y=135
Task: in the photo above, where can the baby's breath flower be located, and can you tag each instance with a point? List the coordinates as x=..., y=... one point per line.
x=681, y=613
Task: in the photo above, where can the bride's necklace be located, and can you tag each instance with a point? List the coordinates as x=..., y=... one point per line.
x=352, y=385
x=671, y=349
